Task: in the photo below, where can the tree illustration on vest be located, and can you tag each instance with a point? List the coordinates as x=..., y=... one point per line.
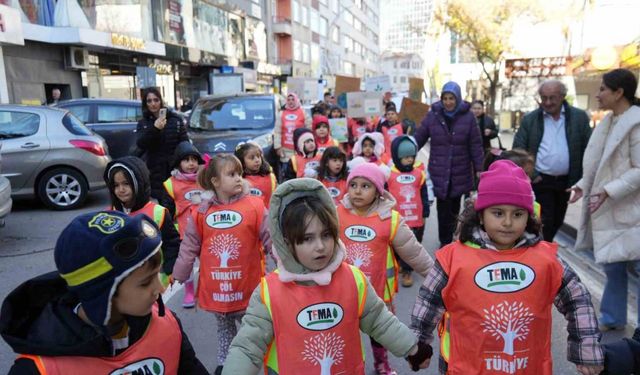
x=408, y=192
x=359, y=255
x=324, y=350
x=509, y=322
x=225, y=247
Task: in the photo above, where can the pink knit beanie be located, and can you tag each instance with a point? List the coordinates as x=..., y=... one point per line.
x=371, y=172
x=504, y=183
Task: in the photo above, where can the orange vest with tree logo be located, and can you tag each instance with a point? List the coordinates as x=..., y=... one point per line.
x=181, y=192
x=329, y=142
x=156, y=352
x=405, y=188
x=262, y=186
x=231, y=255
x=291, y=120
x=368, y=244
x=498, y=317
x=300, y=163
x=390, y=133
x=337, y=189
x=316, y=329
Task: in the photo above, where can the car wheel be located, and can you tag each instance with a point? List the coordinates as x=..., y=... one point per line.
x=62, y=189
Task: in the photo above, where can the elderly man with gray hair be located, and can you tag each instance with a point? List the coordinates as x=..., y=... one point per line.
x=556, y=134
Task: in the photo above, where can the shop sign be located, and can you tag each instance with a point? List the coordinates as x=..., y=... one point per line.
x=10, y=26
x=128, y=42
x=270, y=69
x=165, y=69
x=630, y=57
x=542, y=67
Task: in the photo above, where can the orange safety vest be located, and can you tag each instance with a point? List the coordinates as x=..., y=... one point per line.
x=262, y=186
x=300, y=163
x=405, y=188
x=498, y=317
x=231, y=255
x=391, y=133
x=156, y=352
x=326, y=144
x=291, y=120
x=368, y=244
x=182, y=192
x=357, y=129
x=337, y=189
x=316, y=326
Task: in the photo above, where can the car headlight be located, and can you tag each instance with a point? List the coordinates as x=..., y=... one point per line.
x=264, y=140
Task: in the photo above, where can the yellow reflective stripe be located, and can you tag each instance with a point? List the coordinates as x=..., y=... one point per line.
x=168, y=186
x=537, y=209
x=89, y=272
x=391, y=283
x=294, y=163
x=445, y=336
x=361, y=284
x=271, y=357
x=158, y=215
x=274, y=182
x=472, y=244
x=395, y=222
x=424, y=177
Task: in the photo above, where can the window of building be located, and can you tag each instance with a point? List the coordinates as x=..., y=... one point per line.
x=348, y=17
x=295, y=9
x=314, y=21
x=335, y=34
x=323, y=26
x=403, y=79
x=395, y=79
x=297, y=50
x=349, y=68
x=395, y=65
x=305, y=16
x=306, y=53
x=335, y=6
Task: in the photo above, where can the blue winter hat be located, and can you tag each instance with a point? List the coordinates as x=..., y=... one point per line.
x=98, y=250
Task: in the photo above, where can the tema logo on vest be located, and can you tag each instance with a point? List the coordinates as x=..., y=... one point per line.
x=291, y=117
x=321, y=316
x=150, y=366
x=255, y=192
x=188, y=195
x=406, y=179
x=505, y=277
x=360, y=233
x=224, y=219
x=333, y=191
x=312, y=164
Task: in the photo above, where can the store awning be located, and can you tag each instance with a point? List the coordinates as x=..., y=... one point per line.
x=88, y=37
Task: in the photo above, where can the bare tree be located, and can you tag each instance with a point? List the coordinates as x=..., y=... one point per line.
x=359, y=255
x=225, y=247
x=408, y=192
x=509, y=322
x=324, y=350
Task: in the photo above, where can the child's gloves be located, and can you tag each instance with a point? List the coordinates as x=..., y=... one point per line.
x=424, y=352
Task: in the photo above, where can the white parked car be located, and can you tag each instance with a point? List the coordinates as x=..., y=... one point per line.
x=5, y=194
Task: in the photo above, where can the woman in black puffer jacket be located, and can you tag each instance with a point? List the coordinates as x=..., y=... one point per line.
x=158, y=138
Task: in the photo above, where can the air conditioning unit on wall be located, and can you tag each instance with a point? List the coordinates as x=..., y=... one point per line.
x=76, y=58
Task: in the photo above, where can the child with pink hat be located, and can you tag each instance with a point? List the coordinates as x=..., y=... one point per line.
x=371, y=230
x=491, y=291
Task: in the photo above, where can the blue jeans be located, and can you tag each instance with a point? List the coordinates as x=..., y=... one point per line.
x=613, y=308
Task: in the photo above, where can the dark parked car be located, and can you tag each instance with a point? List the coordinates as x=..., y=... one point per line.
x=218, y=124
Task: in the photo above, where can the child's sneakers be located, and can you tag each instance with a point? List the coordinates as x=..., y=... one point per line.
x=381, y=361
x=189, y=300
x=407, y=280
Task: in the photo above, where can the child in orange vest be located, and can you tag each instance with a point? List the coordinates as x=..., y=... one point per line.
x=292, y=118
x=408, y=185
x=130, y=188
x=371, y=231
x=228, y=232
x=322, y=133
x=101, y=312
x=257, y=171
x=306, y=317
x=307, y=158
x=390, y=127
x=370, y=148
x=356, y=127
x=491, y=291
x=332, y=172
x=182, y=193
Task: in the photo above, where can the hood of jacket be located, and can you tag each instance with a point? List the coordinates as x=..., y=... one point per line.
x=288, y=267
x=395, y=144
x=296, y=103
x=378, y=140
x=138, y=176
x=38, y=318
x=452, y=88
x=296, y=137
x=184, y=149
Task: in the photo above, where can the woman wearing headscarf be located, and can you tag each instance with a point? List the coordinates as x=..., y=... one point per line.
x=610, y=185
x=455, y=154
x=292, y=118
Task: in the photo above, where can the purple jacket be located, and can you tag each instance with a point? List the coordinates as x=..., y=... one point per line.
x=455, y=154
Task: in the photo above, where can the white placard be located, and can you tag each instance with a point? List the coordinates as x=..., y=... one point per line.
x=379, y=84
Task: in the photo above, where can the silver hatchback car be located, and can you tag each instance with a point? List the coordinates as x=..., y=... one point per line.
x=50, y=154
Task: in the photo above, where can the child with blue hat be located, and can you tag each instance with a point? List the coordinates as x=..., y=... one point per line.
x=101, y=310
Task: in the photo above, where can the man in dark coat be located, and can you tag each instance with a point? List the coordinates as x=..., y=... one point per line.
x=488, y=128
x=455, y=157
x=556, y=134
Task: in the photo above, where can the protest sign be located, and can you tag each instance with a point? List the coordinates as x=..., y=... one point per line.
x=379, y=84
x=339, y=130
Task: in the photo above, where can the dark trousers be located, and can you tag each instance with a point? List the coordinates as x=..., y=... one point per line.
x=448, y=211
x=404, y=266
x=553, y=198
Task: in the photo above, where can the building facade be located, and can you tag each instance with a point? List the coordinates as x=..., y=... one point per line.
x=324, y=38
x=400, y=67
x=404, y=24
